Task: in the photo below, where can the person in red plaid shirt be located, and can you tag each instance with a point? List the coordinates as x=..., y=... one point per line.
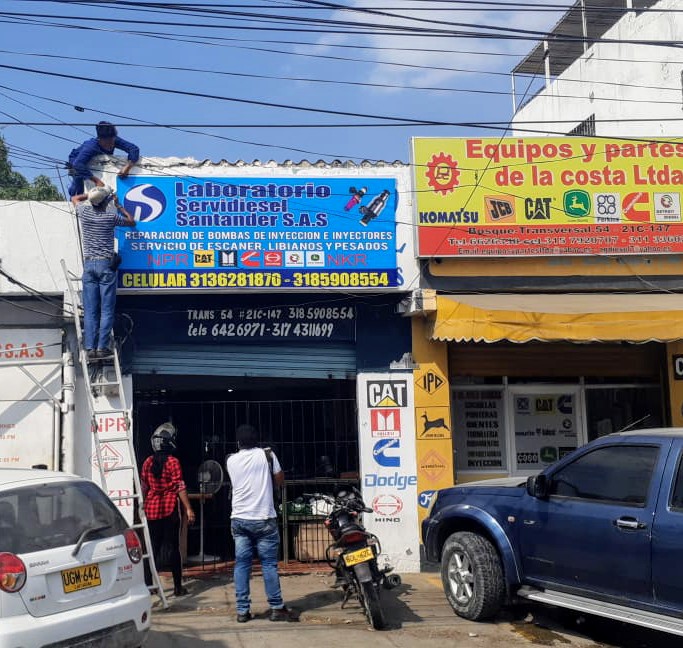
x=163, y=487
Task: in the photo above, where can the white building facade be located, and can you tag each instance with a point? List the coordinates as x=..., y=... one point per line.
x=603, y=73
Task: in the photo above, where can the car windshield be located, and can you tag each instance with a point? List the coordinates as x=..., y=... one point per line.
x=50, y=515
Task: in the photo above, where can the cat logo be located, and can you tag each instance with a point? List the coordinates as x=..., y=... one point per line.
x=499, y=208
x=537, y=208
x=577, y=203
x=203, y=259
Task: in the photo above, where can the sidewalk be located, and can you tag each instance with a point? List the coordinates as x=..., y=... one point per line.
x=416, y=612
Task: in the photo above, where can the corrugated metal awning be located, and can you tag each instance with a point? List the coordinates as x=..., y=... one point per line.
x=552, y=317
x=269, y=361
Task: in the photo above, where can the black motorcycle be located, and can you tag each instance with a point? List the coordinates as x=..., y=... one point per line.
x=353, y=554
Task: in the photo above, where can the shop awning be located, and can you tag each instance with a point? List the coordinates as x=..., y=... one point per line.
x=551, y=317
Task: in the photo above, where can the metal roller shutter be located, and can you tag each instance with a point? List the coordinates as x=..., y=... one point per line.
x=329, y=361
x=536, y=359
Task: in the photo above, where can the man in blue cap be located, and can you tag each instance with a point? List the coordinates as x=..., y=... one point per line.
x=105, y=143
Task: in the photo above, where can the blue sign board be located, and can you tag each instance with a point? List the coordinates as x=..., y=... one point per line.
x=269, y=233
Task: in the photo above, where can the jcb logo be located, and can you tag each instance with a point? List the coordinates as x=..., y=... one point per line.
x=499, y=208
x=203, y=259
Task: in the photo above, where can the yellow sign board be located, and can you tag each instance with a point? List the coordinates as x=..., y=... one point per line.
x=547, y=196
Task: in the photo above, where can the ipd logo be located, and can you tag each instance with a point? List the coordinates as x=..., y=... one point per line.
x=145, y=202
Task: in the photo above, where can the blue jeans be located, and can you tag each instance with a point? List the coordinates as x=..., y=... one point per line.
x=77, y=186
x=263, y=538
x=99, y=302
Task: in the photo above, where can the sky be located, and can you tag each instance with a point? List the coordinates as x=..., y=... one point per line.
x=257, y=79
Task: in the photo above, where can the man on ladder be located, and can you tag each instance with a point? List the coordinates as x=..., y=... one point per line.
x=99, y=212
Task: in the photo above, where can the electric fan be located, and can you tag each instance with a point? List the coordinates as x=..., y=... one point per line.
x=210, y=479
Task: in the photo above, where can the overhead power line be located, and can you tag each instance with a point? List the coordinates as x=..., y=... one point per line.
x=342, y=27
x=478, y=72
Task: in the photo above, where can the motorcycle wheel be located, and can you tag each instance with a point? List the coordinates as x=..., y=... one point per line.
x=371, y=603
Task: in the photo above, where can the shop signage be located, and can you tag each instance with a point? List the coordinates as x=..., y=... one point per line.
x=480, y=430
x=114, y=454
x=433, y=423
x=287, y=323
x=27, y=415
x=430, y=382
x=255, y=323
x=386, y=453
x=432, y=465
x=223, y=233
x=424, y=499
x=547, y=196
x=388, y=465
x=545, y=429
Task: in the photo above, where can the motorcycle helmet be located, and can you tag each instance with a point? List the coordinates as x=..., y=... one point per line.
x=164, y=438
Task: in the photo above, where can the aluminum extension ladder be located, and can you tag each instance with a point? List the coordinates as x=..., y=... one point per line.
x=97, y=381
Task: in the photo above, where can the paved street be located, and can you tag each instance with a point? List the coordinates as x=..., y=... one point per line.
x=417, y=611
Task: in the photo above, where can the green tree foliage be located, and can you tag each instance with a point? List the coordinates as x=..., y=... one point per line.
x=13, y=185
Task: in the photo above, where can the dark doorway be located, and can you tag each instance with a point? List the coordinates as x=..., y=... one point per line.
x=310, y=425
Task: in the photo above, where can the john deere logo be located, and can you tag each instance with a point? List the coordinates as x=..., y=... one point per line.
x=548, y=454
x=577, y=203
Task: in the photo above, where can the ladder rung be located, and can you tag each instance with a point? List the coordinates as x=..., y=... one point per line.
x=139, y=525
x=109, y=411
x=104, y=383
x=114, y=439
x=119, y=468
x=120, y=498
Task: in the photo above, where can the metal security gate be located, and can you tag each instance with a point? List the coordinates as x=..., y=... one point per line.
x=321, y=361
x=316, y=442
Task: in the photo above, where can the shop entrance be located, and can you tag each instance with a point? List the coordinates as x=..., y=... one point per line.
x=311, y=426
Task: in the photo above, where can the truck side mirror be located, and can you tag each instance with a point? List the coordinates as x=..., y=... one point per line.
x=537, y=486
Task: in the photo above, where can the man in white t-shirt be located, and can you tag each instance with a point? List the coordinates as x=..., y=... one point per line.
x=254, y=521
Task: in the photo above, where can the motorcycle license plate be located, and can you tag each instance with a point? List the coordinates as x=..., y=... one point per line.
x=80, y=578
x=359, y=556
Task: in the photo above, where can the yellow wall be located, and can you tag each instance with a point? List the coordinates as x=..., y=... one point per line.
x=434, y=445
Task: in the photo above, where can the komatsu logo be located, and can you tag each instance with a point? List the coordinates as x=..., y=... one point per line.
x=145, y=202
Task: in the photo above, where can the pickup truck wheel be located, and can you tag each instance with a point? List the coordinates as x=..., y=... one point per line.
x=472, y=576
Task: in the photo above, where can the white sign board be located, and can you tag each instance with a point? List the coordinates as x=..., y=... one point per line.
x=27, y=412
x=479, y=430
x=545, y=429
x=114, y=453
x=386, y=425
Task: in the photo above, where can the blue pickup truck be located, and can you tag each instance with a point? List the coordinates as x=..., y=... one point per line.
x=600, y=531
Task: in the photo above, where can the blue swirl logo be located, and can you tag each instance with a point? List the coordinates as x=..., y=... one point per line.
x=145, y=202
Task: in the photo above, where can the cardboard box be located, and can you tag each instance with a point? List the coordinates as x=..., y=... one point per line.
x=311, y=539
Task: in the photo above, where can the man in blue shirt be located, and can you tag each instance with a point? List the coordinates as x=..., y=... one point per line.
x=100, y=212
x=107, y=140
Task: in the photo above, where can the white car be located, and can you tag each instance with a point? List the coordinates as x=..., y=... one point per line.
x=71, y=571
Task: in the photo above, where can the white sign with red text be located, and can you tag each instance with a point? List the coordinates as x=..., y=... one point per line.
x=27, y=411
x=114, y=454
x=388, y=466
